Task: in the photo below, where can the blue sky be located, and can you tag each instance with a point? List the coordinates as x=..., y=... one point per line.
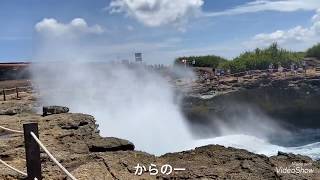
x=161, y=29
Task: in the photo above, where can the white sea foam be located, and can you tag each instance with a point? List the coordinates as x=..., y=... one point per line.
x=260, y=146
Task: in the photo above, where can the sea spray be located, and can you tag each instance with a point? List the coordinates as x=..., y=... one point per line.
x=130, y=103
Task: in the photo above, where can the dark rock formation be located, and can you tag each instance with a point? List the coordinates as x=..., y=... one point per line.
x=293, y=102
x=110, y=144
x=54, y=110
x=14, y=71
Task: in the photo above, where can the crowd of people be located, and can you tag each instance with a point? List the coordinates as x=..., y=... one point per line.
x=272, y=68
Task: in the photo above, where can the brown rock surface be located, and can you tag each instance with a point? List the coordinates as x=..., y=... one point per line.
x=74, y=140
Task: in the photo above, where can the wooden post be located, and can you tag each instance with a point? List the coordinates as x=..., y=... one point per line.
x=17, y=92
x=4, y=94
x=32, y=151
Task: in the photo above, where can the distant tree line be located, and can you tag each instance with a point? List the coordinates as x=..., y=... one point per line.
x=258, y=59
x=314, y=51
x=201, y=61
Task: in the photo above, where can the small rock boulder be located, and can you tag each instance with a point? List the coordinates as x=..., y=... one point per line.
x=110, y=144
x=54, y=110
x=9, y=112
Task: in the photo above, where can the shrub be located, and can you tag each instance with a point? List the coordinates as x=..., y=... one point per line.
x=260, y=59
x=314, y=51
x=202, y=61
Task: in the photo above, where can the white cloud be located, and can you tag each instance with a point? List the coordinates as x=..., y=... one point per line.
x=158, y=12
x=155, y=13
x=298, y=35
x=316, y=17
x=52, y=27
x=64, y=42
x=268, y=5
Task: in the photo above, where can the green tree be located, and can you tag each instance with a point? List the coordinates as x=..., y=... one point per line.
x=202, y=61
x=260, y=59
x=314, y=51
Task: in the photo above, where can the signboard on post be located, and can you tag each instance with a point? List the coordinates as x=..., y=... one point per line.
x=138, y=57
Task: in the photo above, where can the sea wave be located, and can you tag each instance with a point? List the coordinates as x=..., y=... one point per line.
x=260, y=146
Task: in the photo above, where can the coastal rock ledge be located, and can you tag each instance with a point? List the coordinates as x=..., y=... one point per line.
x=75, y=141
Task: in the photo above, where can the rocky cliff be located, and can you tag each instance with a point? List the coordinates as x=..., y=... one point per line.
x=292, y=101
x=75, y=141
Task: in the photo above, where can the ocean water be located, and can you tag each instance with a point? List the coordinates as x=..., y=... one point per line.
x=260, y=146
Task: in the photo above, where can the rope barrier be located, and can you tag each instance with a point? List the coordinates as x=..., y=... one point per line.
x=12, y=168
x=11, y=89
x=11, y=130
x=21, y=87
x=25, y=87
x=51, y=157
x=4, y=163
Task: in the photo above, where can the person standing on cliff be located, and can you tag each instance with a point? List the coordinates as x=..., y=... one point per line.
x=293, y=68
x=304, y=66
x=280, y=68
x=271, y=68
